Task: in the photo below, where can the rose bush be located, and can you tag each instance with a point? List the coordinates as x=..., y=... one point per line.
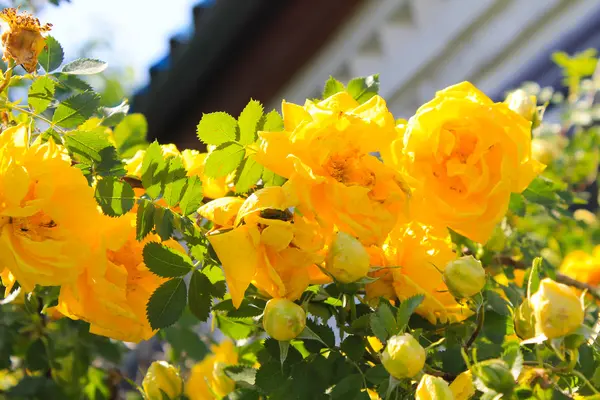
x=328, y=252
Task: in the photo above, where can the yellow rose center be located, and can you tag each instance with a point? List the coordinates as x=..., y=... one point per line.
x=37, y=228
x=348, y=168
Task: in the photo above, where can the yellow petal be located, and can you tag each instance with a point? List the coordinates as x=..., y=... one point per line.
x=239, y=265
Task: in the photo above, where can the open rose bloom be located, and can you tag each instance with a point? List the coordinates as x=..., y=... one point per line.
x=325, y=152
x=463, y=155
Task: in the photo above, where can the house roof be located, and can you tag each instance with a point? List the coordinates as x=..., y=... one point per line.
x=239, y=50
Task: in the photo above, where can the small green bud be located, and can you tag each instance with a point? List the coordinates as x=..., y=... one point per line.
x=464, y=277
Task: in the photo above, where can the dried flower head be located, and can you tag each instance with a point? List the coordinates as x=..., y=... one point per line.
x=22, y=38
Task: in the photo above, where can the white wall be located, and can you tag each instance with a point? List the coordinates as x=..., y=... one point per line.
x=420, y=46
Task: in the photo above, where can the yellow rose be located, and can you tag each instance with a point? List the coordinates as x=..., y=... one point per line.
x=416, y=256
x=48, y=213
x=558, y=311
x=403, y=356
x=347, y=260
x=275, y=249
x=22, y=38
x=582, y=266
x=113, y=291
x=212, y=188
x=433, y=388
x=161, y=378
x=463, y=156
x=207, y=379
x=325, y=152
x=462, y=386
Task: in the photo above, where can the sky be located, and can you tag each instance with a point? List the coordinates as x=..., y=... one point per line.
x=129, y=33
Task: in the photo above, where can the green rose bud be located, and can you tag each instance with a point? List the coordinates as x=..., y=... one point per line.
x=464, y=277
x=524, y=321
x=403, y=356
x=347, y=260
x=495, y=374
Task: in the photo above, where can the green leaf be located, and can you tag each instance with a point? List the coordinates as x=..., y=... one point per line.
x=270, y=178
x=270, y=377
x=354, y=347
x=533, y=283
x=175, y=181
x=153, y=170
x=517, y=204
x=332, y=86
x=41, y=93
x=84, y=66
x=378, y=327
x=347, y=388
x=248, y=175
x=386, y=316
x=217, y=128
x=36, y=358
x=406, y=309
x=114, y=196
x=192, y=199
x=544, y=192
x=76, y=109
x=273, y=122
x=130, y=135
x=248, y=122
x=94, y=149
x=240, y=373
x=199, y=299
x=144, y=219
x=284, y=347
x=112, y=116
x=362, y=89
x=166, y=262
x=224, y=159
x=72, y=83
x=164, y=223
x=497, y=303
x=52, y=56
x=235, y=328
x=166, y=304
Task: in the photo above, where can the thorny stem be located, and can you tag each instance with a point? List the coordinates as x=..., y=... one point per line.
x=561, y=278
x=478, y=328
x=448, y=377
x=562, y=371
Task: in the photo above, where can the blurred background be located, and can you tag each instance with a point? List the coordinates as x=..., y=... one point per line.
x=178, y=59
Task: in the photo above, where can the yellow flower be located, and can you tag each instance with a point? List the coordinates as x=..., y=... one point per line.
x=347, y=260
x=213, y=188
x=48, y=213
x=22, y=38
x=325, y=152
x=557, y=309
x=274, y=249
x=582, y=266
x=415, y=256
x=113, y=291
x=463, y=156
x=403, y=356
x=433, y=388
x=207, y=379
x=162, y=377
x=462, y=386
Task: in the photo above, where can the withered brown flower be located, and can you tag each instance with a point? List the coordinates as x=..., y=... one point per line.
x=22, y=37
